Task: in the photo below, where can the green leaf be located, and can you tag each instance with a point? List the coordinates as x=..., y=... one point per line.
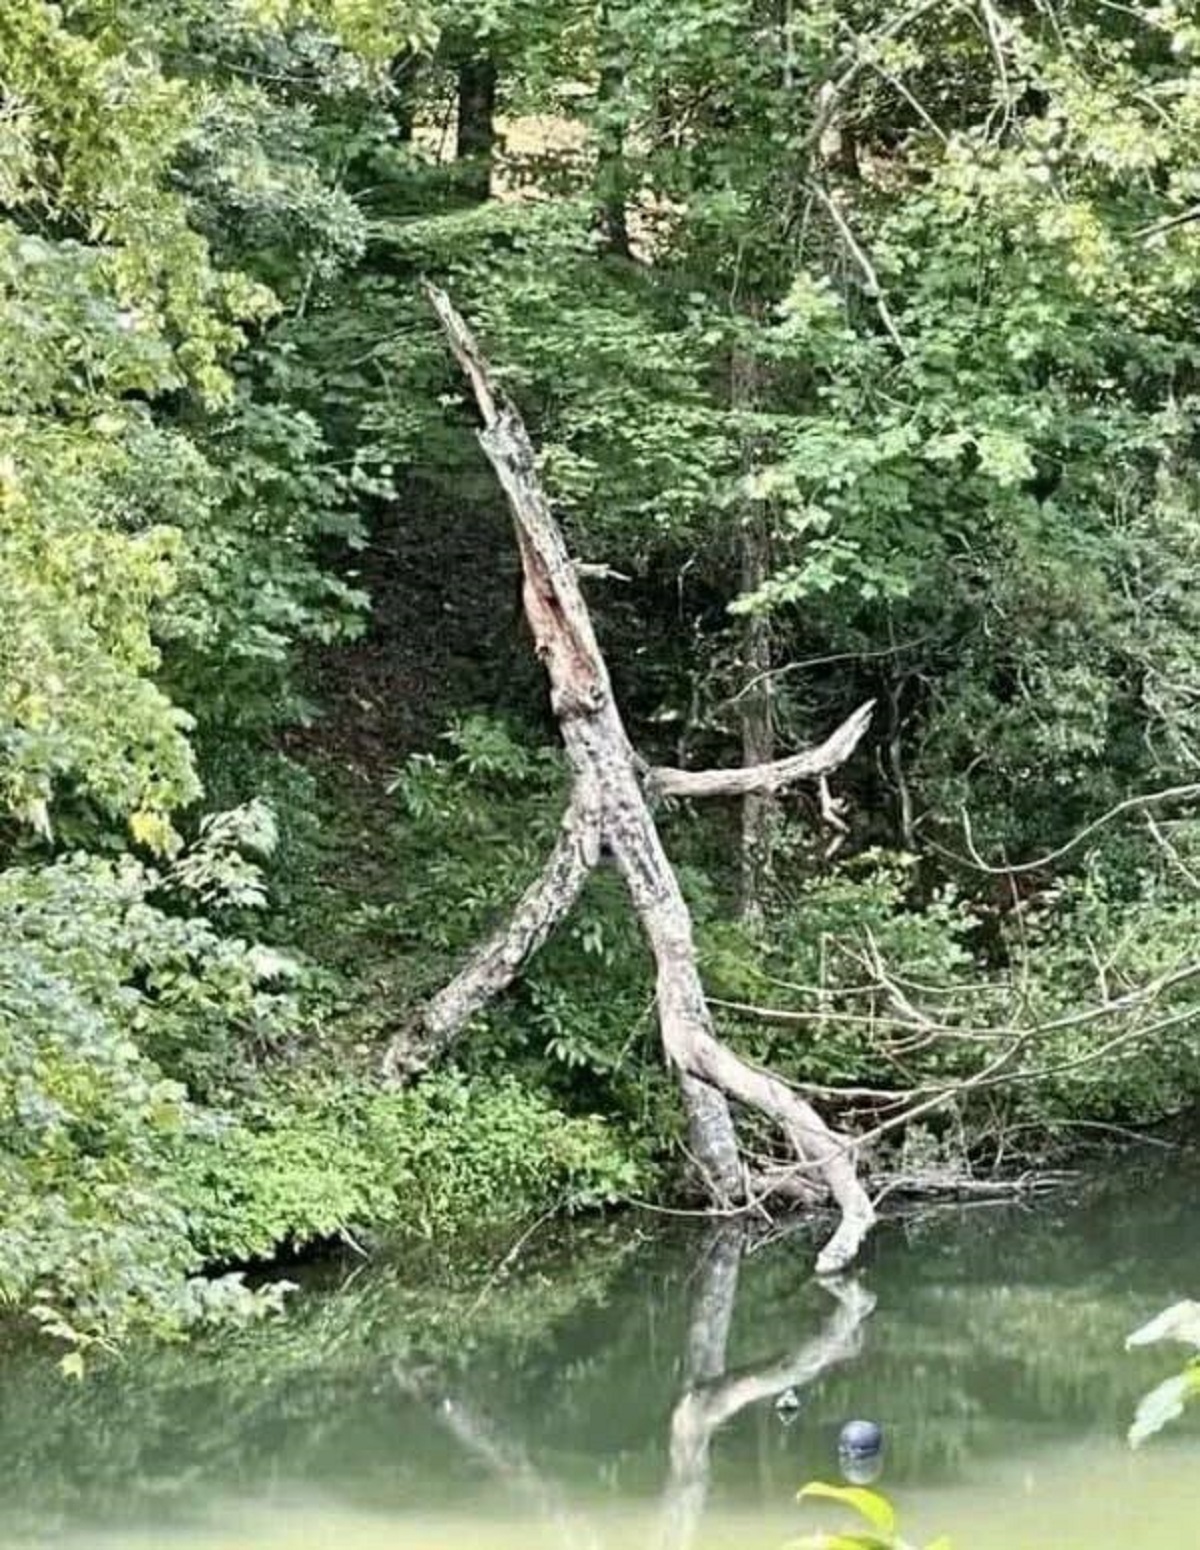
x=71, y=1365
x=1005, y=457
x=876, y=1509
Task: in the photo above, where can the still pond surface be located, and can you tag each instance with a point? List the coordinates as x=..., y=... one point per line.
x=652, y=1387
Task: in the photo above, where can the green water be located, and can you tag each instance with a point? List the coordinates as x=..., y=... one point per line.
x=621, y=1388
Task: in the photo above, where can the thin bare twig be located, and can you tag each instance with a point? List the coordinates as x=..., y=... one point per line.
x=1171, y=853
x=871, y=285
x=830, y=97
x=974, y=860
x=823, y=661
x=1167, y=223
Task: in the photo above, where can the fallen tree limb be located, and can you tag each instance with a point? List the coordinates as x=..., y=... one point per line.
x=610, y=810
x=951, y=1187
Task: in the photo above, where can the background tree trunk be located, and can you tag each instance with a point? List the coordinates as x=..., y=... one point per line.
x=758, y=720
x=476, y=135
x=755, y=702
x=610, y=157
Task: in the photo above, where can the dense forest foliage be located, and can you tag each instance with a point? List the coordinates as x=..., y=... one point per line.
x=860, y=346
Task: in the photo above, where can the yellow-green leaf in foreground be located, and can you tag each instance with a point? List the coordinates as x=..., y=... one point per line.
x=875, y=1509
x=823, y=1541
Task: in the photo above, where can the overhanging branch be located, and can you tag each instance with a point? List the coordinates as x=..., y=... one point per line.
x=808, y=764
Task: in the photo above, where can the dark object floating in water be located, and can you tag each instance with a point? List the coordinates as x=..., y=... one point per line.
x=860, y=1440
x=861, y=1468
x=788, y=1406
x=860, y=1451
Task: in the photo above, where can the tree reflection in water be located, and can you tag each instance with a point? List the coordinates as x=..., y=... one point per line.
x=712, y=1395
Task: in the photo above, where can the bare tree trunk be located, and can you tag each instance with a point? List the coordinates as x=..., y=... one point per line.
x=758, y=720
x=406, y=73
x=610, y=159
x=476, y=137
x=755, y=707
x=611, y=805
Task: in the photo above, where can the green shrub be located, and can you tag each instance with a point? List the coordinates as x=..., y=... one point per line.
x=328, y=1161
x=92, y=976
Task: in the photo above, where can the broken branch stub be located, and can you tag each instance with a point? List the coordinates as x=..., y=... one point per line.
x=609, y=808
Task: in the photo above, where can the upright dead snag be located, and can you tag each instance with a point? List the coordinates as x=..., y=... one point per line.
x=610, y=808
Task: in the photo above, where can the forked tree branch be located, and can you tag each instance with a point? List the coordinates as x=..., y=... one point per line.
x=610, y=808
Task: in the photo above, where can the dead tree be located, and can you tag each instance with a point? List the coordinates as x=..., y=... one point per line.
x=610, y=810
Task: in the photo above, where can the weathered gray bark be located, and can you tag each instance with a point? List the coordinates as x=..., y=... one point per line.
x=493, y=967
x=610, y=808
x=808, y=764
